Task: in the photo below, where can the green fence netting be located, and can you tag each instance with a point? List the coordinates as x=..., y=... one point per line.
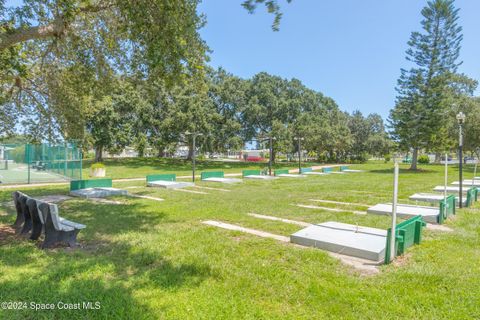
x=45, y=162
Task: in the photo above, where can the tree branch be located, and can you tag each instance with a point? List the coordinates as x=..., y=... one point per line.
x=57, y=28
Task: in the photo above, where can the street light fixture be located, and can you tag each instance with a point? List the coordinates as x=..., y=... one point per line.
x=194, y=137
x=299, y=139
x=461, y=120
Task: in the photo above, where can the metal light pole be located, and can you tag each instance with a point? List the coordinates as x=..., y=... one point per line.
x=461, y=121
x=299, y=139
x=271, y=156
x=394, y=211
x=194, y=137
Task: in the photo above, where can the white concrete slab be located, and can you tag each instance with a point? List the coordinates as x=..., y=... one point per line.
x=347, y=239
x=406, y=211
x=467, y=183
x=289, y=175
x=298, y=223
x=450, y=189
x=223, y=180
x=365, y=266
x=170, y=184
x=330, y=209
x=260, y=177
x=98, y=192
x=352, y=170
x=246, y=230
x=432, y=198
x=189, y=191
x=146, y=197
x=342, y=203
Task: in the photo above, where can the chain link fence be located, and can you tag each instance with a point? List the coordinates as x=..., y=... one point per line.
x=34, y=163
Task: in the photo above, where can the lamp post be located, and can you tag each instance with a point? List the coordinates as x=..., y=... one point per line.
x=299, y=139
x=194, y=137
x=461, y=121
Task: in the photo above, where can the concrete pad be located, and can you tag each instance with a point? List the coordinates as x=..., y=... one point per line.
x=432, y=198
x=298, y=223
x=246, y=230
x=260, y=177
x=223, y=180
x=289, y=175
x=352, y=170
x=53, y=198
x=406, y=211
x=330, y=209
x=467, y=183
x=170, y=184
x=106, y=201
x=366, y=267
x=343, y=203
x=146, y=197
x=347, y=239
x=98, y=192
x=450, y=189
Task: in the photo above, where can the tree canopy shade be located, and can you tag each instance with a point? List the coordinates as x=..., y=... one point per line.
x=56, y=56
x=426, y=93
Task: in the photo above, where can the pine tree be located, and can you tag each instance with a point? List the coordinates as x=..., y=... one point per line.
x=422, y=106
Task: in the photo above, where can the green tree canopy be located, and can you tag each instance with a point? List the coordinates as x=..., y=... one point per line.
x=425, y=91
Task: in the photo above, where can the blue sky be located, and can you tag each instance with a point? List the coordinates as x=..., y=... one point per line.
x=349, y=50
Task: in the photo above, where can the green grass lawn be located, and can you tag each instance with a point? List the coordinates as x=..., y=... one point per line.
x=143, y=259
x=139, y=168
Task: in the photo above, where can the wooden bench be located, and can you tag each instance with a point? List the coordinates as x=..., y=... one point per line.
x=58, y=229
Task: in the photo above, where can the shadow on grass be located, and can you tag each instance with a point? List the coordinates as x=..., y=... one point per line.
x=114, y=267
x=402, y=171
x=167, y=164
x=81, y=277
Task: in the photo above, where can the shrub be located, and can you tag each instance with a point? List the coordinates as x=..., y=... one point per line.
x=98, y=165
x=387, y=158
x=424, y=159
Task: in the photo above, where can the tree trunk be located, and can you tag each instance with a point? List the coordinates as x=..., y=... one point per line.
x=98, y=153
x=414, y=159
x=161, y=152
x=438, y=157
x=190, y=152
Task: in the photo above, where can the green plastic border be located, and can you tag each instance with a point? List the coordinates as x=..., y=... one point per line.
x=161, y=177
x=211, y=174
x=93, y=183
